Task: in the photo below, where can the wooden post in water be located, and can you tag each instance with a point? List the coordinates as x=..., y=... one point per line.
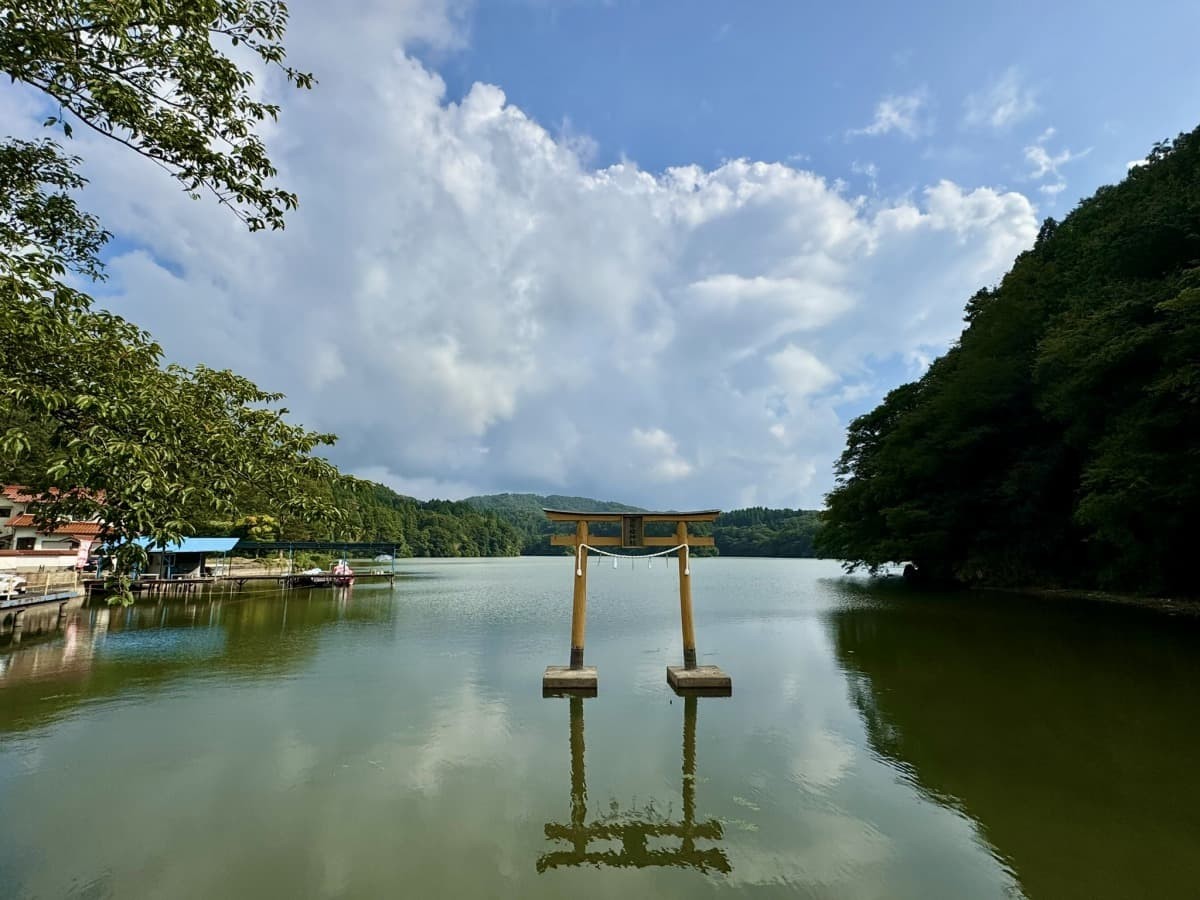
x=579, y=600
x=685, y=598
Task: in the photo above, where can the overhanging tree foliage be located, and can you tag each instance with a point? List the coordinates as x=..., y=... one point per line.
x=1059, y=440
x=160, y=77
x=89, y=416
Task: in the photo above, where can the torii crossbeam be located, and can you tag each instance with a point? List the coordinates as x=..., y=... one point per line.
x=581, y=678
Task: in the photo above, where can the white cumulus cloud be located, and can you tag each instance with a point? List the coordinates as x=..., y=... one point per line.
x=798, y=373
x=473, y=306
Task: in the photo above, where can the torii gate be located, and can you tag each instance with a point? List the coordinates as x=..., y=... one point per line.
x=577, y=676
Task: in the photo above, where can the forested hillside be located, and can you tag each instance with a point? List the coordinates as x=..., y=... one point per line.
x=371, y=512
x=422, y=528
x=1058, y=441
x=756, y=531
x=524, y=513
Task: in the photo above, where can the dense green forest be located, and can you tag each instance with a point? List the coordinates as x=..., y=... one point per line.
x=758, y=531
x=371, y=512
x=744, y=532
x=1058, y=440
x=422, y=528
x=524, y=513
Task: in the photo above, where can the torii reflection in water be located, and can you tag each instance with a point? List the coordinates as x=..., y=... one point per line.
x=633, y=832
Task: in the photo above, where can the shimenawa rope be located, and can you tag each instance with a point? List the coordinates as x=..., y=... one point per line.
x=615, y=556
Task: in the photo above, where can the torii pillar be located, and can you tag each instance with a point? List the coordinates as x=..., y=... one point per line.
x=577, y=677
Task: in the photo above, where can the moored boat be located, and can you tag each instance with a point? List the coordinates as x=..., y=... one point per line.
x=343, y=575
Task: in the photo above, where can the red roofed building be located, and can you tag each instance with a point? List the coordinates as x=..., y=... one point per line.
x=17, y=531
x=15, y=493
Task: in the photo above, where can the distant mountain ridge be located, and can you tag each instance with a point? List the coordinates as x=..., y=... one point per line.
x=539, y=502
x=755, y=531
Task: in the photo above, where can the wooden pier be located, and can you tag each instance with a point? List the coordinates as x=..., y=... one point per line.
x=300, y=580
x=20, y=602
x=172, y=586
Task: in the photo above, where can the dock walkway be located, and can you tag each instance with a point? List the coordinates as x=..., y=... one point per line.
x=158, y=586
x=24, y=601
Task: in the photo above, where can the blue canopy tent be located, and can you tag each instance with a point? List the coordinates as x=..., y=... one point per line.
x=185, y=558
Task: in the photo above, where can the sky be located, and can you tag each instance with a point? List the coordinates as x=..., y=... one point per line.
x=660, y=252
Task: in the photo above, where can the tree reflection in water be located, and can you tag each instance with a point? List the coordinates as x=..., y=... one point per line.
x=634, y=828
x=1066, y=730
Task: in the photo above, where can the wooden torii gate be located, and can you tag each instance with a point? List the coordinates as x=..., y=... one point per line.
x=577, y=676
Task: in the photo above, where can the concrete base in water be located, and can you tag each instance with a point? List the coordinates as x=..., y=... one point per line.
x=564, y=680
x=707, y=679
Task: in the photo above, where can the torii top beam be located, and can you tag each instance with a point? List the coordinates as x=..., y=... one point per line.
x=632, y=528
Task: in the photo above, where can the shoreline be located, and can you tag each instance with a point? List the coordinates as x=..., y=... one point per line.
x=1174, y=606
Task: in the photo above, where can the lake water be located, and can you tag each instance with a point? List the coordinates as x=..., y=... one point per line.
x=394, y=742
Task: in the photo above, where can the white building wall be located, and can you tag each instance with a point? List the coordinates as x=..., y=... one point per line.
x=15, y=509
x=15, y=561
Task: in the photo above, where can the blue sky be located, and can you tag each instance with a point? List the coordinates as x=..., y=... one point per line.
x=671, y=83
x=654, y=252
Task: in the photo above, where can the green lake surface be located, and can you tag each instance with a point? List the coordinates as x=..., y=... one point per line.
x=385, y=742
